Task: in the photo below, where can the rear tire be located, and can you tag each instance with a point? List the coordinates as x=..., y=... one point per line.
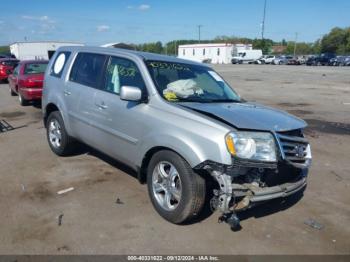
x=59, y=140
x=22, y=101
x=187, y=193
x=11, y=92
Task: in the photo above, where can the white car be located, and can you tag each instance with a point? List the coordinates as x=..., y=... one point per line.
x=267, y=59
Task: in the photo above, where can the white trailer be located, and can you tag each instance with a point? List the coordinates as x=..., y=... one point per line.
x=246, y=56
x=216, y=53
x=37, y=50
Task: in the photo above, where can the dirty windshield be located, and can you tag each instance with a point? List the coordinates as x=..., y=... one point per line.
x=178, y=82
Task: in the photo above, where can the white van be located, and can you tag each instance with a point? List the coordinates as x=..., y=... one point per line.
x=246, y=56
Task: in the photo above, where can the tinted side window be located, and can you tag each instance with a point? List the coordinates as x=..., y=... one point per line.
x=59, y=64
x=122, y=72
x=87, y=69
x=35, y=68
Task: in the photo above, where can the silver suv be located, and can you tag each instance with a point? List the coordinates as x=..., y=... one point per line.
x=179, y=125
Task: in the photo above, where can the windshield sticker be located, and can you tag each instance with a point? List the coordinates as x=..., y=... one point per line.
x=170, y=96
x=163, y=65
x=122, y=70
x=216, y=76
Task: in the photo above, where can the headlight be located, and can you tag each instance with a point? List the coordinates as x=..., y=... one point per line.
x=252, y=145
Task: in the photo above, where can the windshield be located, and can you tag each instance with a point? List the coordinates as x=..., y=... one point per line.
x=190, y=83
x=37, y=68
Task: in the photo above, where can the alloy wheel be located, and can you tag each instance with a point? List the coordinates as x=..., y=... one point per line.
x=55, y=135
x=166, y=185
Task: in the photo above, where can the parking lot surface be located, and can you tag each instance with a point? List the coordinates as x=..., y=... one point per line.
x=109, y=212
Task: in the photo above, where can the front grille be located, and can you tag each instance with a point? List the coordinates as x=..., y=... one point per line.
x=295, y=132
x=294, y=149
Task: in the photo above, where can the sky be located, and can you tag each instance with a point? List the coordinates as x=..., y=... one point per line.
x=134, y=21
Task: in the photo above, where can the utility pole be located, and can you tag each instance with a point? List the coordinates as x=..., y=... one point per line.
x=295, y=43
x=263, y=22
x=199, y=33
x=175, y=42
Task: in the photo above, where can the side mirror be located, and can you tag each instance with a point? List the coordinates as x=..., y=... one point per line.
x=130, y=93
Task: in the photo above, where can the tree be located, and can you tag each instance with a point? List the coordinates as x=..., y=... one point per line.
x=4, y=49
x=316, y=47
x=301, y=48
x=337, y=41
x=155, y=47
x=264, y=44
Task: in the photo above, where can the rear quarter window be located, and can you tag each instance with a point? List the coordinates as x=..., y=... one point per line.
x=59, y=64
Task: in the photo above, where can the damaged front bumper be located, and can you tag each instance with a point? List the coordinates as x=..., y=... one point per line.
x=253, y=194
x=246, y=183
x=232, y=197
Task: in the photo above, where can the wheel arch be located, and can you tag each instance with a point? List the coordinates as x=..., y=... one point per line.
x=51, y=107
x=142, y=170
x=194, y=150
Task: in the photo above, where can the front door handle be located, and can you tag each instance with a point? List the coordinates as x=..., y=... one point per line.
x=102, y=105
x=67, y=93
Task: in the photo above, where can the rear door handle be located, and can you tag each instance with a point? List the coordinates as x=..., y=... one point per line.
x=67, y=93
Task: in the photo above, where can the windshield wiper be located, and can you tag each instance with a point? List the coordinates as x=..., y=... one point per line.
x=208, y=100
x=179, y=99
x=223, y=101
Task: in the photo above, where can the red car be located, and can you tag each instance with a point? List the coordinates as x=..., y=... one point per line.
x=6, y=67
x=27, y=80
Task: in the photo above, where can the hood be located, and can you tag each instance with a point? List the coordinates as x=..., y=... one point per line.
x=249, y=116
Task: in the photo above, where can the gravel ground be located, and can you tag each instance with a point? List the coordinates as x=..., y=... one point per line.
x=93, y=223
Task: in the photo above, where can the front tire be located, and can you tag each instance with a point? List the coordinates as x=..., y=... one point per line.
x=59, y=140
x=176, y=192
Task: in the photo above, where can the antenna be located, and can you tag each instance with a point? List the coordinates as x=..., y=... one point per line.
x=263, y=22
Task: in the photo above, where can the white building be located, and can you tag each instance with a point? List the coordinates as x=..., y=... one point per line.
x=41, y=50
x=216, y=53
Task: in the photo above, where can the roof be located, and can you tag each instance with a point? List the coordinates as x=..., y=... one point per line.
x=206, y=45
x=34, y=61
x=40, y=42
x=119, y=45
x=8, y=59
x=142, y=55
x=214, y=45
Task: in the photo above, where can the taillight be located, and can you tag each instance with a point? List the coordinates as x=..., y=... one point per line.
x=30, y=83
